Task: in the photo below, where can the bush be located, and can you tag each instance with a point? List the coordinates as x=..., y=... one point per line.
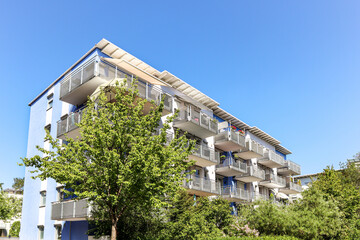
x=15, y=229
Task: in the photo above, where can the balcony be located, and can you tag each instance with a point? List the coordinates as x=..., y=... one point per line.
x=204, y=156
x=84, y=81
x=272, y=160
x=252, y=150
x=251, y=175
x=229, y=140
x=235, y=194
x=290, y=168
x=72, y=210
x=273, y=181
x=68, y=125
x=231, y=168
x=261, y=196
x=193, y=121
x=202, y=186
x=291, y=188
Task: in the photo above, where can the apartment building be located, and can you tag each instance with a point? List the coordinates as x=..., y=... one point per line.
x=234, y=160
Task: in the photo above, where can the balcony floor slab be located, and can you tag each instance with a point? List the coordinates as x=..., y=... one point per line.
x=193, y=128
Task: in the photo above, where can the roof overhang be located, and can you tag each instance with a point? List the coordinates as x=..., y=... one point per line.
x=258, y=132
x=125, y=65
x=230, y=118
x=283, y=149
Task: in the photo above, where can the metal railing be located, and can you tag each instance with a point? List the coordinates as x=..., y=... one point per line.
x=202, y=184
x=294, y=186
x=70, y=209
x=207, y=153
x=229, y=162
x=199, y=118
x=275, y=179
x=69, y=123
x=235, y=193
x=274, y=157
x=293, y=166
x=229, y=135
x=251, y=171
x=105, y=71
x=255, y=147
x=78, y=77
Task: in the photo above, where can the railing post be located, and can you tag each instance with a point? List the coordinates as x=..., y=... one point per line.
x=74, y=209
x=61, y=210
x=82, y=74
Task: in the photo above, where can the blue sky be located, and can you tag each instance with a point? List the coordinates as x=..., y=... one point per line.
x=289, y=67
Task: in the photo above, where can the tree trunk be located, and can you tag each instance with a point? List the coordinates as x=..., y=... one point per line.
x=113, y=231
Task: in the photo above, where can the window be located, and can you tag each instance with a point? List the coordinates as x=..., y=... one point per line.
x=58, y=230
x=41, y=232
x=50, y=104
x=60, y=194
x=42, y=199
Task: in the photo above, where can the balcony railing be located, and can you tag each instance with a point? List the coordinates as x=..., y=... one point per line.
x=202, y=186
x=294, y=186
x=290, y=168
x=273, y=181
x=252, y=150
x=73, y=210
x=68, y=124
x=229, y=140
x=272, y=160
x=78, y=77
x=196, y=122
x=231, y=168
x=252, y=175
x=232, y=193
x=84, y=80
x=205, y=156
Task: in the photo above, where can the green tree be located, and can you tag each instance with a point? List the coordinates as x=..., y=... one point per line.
x=18, y=184
x=15, y=229
x=118, y=163
x=203, y=219
x=10, y=207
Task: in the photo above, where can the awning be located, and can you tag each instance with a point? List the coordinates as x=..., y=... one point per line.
x=124, y=65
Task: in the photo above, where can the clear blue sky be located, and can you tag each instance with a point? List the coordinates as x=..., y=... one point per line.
x=291, y=68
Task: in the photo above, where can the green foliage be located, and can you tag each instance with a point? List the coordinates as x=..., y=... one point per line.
x=18, y=184
x=15, y=229
x=118, y=163
x=203, y=219
x=258, y=238
x=313, y=217
x=10, y=207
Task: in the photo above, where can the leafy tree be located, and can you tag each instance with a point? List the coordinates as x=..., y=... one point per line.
x=117, y=162
x=15, y=229
x=18, y=184
x=10, y=207
x=203, y=219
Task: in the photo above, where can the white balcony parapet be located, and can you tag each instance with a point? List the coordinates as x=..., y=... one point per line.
x=235, y=194
x=230, y=167
x=196, y=122
x=69, y=124
x=202, y=186
x=272, y=160
x=251, y=175
x=205, y=156
x=72, y=210
x=273, y=181
x=291, y=187
x=252, y=150
x=290, y=168
x=84, y=80
x=228, y=140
